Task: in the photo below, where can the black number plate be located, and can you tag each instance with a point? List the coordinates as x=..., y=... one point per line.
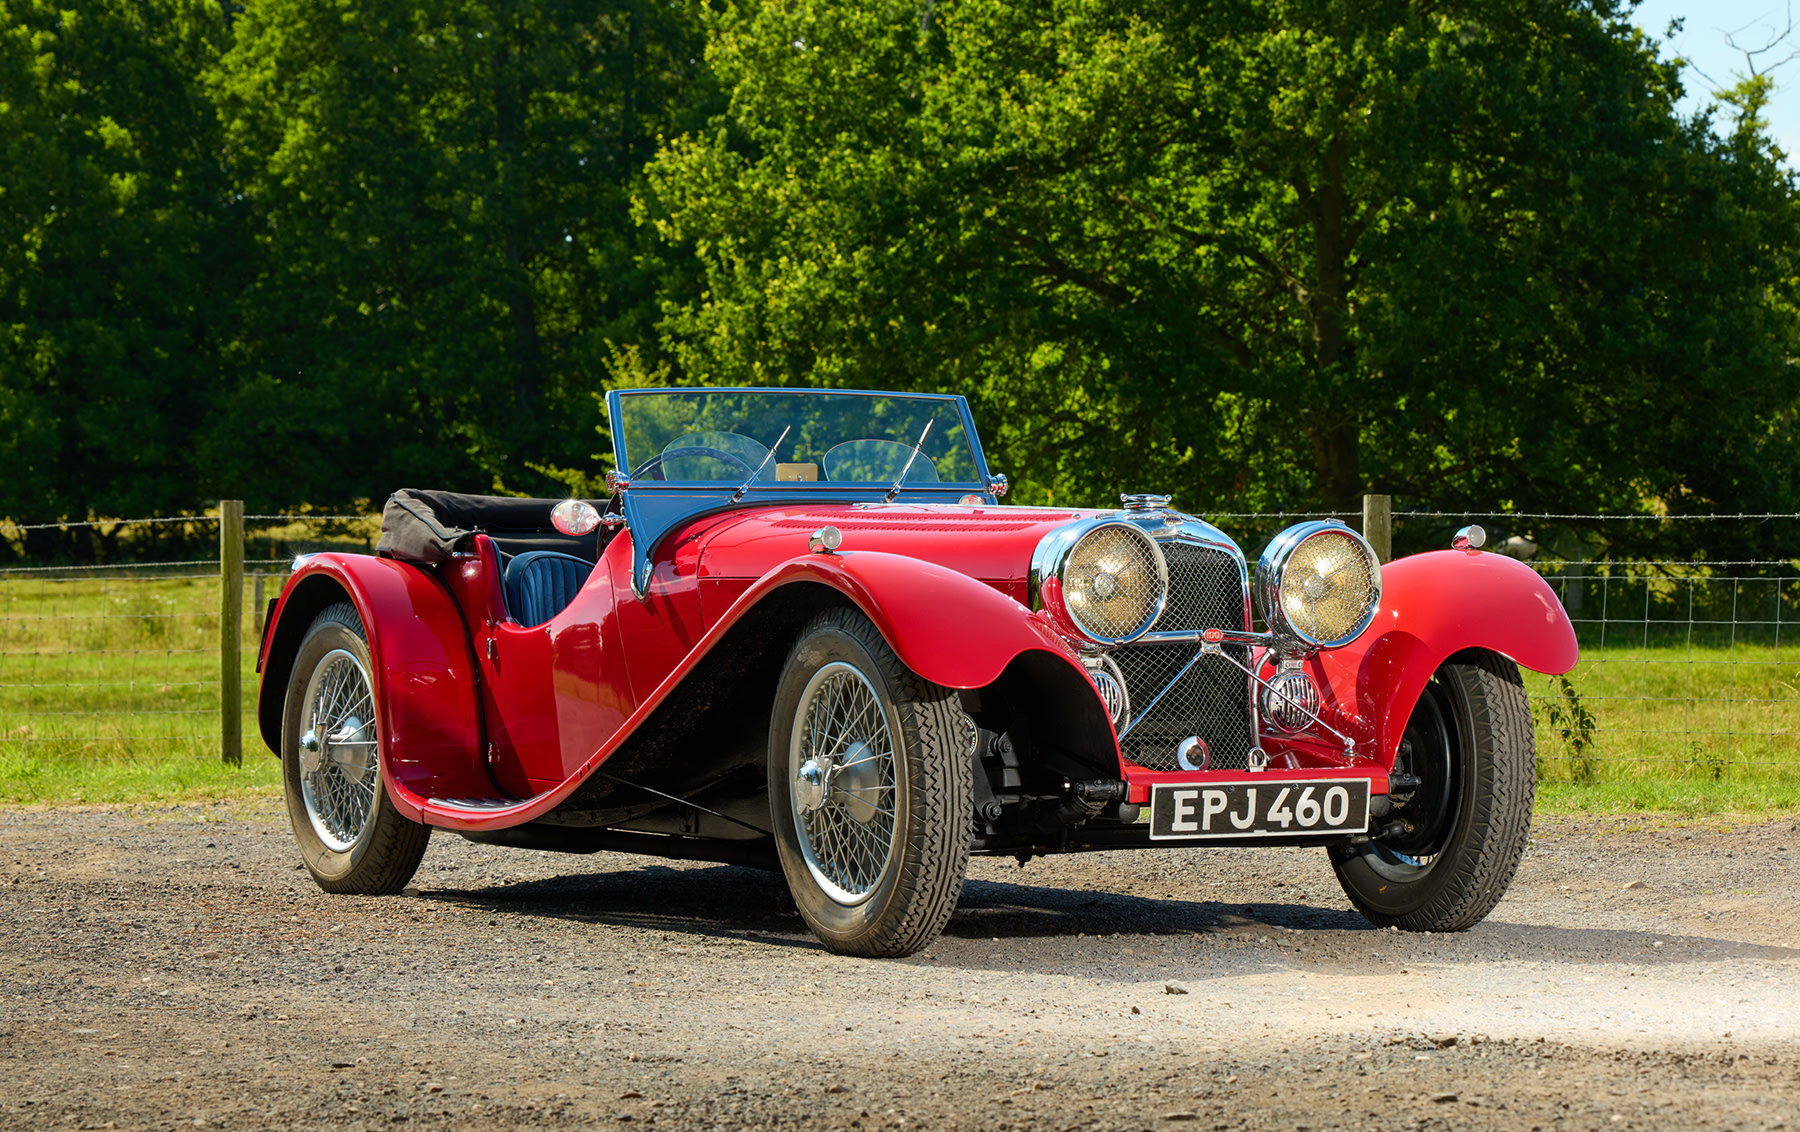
x=1258, y=809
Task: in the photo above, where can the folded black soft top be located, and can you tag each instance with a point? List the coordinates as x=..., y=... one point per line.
x=425, y=526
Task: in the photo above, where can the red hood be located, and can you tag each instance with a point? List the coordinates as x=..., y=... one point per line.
x=992, y=544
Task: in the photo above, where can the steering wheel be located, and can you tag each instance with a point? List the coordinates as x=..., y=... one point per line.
x=652, y=468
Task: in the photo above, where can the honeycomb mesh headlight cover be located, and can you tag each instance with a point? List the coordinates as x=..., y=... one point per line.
x=1106, y=580
x=1319, y=583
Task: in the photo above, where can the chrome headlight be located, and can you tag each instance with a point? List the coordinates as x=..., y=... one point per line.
x=1103, y=578
x=1319, y=583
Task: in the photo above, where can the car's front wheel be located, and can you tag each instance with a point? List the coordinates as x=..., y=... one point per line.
x=870, y=790
x=350, y=836
x=1446, y=854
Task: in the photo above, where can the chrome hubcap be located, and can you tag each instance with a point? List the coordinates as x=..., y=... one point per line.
x=809, y=786
x=309, y=751
x=859, y=780
x=338, y=751
x=846, y=780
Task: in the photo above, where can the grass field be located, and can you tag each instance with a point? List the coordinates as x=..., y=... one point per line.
x=1672, y=703
x=109, y=693
x=109, y=690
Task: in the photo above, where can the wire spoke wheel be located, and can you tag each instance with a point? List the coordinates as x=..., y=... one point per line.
x=338, y=759
x=351, y=837
x=847, y=832
x=870, y=790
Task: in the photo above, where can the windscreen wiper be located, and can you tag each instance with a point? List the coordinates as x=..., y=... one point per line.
x=917, y=448
x=745, y=486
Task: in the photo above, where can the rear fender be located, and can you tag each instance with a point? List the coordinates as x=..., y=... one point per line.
x=1433, y=606
x=424, y=675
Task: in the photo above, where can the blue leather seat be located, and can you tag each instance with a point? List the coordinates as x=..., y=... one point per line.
x=541, y=583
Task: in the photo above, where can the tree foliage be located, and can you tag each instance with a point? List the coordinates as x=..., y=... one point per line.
x=118, y=251
x=441, y=208
x=1263, y=254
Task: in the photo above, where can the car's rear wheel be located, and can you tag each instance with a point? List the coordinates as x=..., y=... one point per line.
x=870, y=790
x=1452, y=847
x=350, y=836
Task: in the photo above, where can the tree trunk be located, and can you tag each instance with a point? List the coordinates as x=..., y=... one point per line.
x=628, y=125
x=509, y=138
x=523, y=309
x=1335, y=434
x=1335, y=459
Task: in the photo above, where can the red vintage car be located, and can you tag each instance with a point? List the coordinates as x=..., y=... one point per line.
x=803, y=633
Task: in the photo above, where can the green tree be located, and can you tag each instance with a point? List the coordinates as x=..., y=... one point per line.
x=441, y=193
x=1262, y=254
x=118, y=254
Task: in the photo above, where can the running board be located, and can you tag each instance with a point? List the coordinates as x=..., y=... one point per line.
x=479, y=805
x=559, y=839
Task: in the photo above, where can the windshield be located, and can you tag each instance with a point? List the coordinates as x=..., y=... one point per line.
x=708, y=436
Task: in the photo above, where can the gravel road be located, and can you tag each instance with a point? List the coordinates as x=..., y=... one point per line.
x=175, y=967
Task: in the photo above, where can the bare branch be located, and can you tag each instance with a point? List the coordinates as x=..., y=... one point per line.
x=1775, y=41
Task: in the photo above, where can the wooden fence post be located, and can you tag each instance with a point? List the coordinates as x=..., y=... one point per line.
x=1378, y=525
x=231, y=631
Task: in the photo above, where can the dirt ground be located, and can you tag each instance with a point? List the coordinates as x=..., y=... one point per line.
x=176, y=968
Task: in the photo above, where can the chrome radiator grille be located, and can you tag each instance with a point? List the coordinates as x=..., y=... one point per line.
x=1206, y=591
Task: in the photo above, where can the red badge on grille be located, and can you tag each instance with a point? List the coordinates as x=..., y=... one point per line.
x=1213, y=636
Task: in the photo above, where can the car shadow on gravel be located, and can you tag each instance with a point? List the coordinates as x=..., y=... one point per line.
x=706, y=901
x=1607, y=945
x=730, y=901
x=996, y=908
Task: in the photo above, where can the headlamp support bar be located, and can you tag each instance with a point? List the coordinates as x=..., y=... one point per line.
x=1216, y=647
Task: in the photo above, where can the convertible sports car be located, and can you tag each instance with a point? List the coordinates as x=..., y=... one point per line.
x=803, y=633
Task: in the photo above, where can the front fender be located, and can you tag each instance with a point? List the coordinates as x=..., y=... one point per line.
x=424, y=676
x=944, y=625
x=1434, y=605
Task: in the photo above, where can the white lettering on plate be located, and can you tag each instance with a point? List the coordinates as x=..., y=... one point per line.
x=1337, y=805
x=1184, y=812
x=1215, y=804
x=1278, y=810
x=1306, y=810
x=1249, y=810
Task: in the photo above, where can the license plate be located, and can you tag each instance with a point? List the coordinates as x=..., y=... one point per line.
x=1258, y=809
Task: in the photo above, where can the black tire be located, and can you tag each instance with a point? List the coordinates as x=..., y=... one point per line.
x=350, y=836
x=854, y=903
x=1470, y=740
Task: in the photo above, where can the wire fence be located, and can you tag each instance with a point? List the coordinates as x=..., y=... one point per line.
x=1690, y=667
x=1688, y=671
x=1690, y=662
x=122, y=660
